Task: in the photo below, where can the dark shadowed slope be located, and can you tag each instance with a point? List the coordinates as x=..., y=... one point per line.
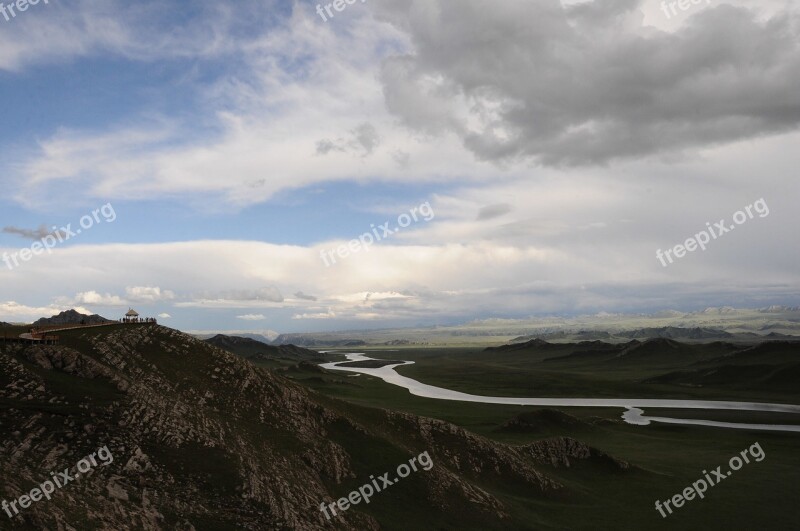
x=256, y=350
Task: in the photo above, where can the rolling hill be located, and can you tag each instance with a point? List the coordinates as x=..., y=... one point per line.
x=256, y=350
x=71, y=317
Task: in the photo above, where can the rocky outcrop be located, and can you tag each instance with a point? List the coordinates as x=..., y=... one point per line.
x=558, y=451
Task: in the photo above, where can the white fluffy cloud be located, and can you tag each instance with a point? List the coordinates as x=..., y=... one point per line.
x=11, y=311
x=582, y=83
x=148, y=294
x=133, y=295
x=251, y=317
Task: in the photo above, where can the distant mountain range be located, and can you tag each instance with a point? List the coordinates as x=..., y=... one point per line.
x=665, y=332
x=71, y=317
x=711, y=324
x=668, y=332
x=764, y=366
x=262, y=336
x=308, y=340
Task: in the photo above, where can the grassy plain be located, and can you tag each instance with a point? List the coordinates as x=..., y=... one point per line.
x=666, y=458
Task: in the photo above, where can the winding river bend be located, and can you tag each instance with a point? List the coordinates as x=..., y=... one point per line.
x=634, y=406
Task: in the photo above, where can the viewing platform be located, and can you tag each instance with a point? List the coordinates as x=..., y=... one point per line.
x=43, y=334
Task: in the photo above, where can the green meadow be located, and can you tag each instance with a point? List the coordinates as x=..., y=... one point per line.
x=665, y=458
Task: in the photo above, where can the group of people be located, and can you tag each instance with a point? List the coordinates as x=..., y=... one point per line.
x=138, y=320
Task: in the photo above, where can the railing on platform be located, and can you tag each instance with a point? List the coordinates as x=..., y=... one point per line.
x=42, y=334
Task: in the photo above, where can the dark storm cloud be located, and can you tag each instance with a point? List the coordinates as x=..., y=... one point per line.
x=28, y=234
x=587, y=84
x=494, y=211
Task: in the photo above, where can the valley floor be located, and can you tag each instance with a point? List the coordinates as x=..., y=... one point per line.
x=666, y=458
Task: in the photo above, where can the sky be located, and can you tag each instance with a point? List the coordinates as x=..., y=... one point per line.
x=220, y=158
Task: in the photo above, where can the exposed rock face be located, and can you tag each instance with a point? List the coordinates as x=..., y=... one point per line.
x=71, y=317
x=474, y=457
x=559, y=450
x=202, y=439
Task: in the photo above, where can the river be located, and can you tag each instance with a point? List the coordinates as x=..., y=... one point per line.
x=634, y=406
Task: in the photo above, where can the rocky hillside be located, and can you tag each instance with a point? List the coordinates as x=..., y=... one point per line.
x=71, y=317
x=202, y=439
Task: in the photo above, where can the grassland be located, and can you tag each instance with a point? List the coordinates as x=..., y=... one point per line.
x=667, y=458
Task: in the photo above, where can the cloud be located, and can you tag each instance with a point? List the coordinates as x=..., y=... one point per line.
x=366, y=137
x=559, y=89
x=244, y=298
x=265, y=294
x=325, y=146
x=133, y=295
x=402, y=158
x=247, y=128
x=58, y=33
x=586, y=84
x=321, y=315
x=561, y=270
x=494, y=211
x=29, y=234
x=148, y=294
x=15, y=312
x=164, y=316
x=94, y=298
x=303, y=296
x=363, y=138
x=251, y=317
